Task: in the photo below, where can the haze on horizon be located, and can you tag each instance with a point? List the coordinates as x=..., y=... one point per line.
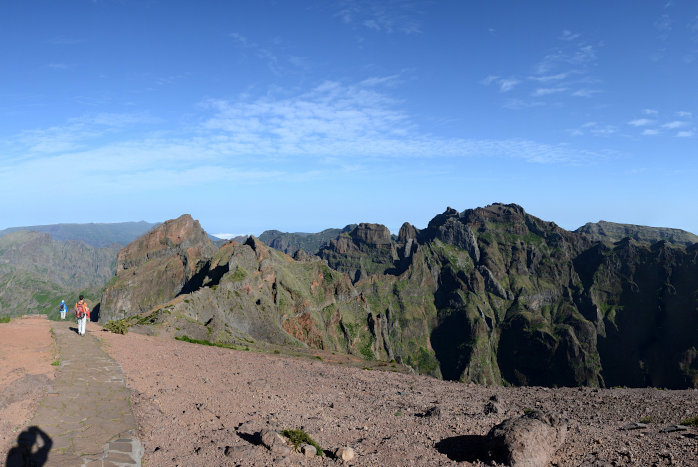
x=300, y=116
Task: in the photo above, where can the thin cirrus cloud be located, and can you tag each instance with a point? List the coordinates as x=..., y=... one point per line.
x=675, y=124
x=564, y=71
x=504, y=84
x=395, y=16
x=547, y=91
x=641, y=122
x=332, y=128
x=357, y=122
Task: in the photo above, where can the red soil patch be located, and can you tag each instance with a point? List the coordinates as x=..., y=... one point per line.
x=26, y=352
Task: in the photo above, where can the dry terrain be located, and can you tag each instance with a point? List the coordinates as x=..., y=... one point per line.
x=199, y=405
x=26, y=353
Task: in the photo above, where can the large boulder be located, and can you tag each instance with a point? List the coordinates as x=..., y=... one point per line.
x=529, y=440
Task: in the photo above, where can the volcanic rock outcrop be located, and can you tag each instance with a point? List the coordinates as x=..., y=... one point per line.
x=250, y=292
x=496, y=295
x=310, y=243
x=491, y=295
x=155, y=268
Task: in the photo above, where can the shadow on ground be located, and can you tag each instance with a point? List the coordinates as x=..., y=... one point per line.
x=470, y=448
x=33, y=446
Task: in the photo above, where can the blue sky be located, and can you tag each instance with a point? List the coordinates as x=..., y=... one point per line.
x=305, y=115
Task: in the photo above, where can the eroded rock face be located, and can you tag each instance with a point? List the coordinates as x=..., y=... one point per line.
x=365, y=251
x=529, y=440
x=155, y=268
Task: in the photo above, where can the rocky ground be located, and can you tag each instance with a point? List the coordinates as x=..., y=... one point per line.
x=199, y=405
x=26, y=353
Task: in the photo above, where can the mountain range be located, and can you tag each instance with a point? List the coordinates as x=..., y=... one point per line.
x=491, y=295
x=42, y=265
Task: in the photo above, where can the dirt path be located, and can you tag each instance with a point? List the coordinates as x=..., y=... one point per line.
x=85, y=418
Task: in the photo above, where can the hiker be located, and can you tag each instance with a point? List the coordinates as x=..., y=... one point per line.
x=82, y=313
x=62, y=308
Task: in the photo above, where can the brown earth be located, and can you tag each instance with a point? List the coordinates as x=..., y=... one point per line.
x=26, y=352
x=199, y=405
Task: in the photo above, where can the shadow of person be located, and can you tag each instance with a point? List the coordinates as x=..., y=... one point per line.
x=94, y=314
x=74, y=329
x=33, y=446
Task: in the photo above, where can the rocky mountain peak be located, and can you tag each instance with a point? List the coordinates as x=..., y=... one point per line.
x=156, y=267
x=407, y=232
x=183, y=234
x=371, y=234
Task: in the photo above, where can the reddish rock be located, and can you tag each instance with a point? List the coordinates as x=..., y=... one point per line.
x=155, y=268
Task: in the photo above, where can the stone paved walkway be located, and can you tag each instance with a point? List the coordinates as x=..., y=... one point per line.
x=86, y=415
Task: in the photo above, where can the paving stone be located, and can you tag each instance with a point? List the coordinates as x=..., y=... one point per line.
x=87, y=407
x=119, y=457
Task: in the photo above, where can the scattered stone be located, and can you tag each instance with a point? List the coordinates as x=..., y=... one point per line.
x=308, y=450
x=345, y=453
x=433, y=412
x=274, y=442
x=527, y=440
x=492, y=407
x=673, y=428
x=634, y=426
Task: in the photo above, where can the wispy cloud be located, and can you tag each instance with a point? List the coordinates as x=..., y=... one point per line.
x=650, y=132
x=261, y=52
x=568, y=36
x=675, y=124
x=565, y=71
x=508, y=84
x=594, y=128
x=389, y=17
x=663, y=25
x=77, y=133
x=684, y=114
x=585, y=92
x=556, y=77
x=685, y=134
x=504, y=84
x=546, y=91
x=330, y=129
x=650, y=112
x=640, y=122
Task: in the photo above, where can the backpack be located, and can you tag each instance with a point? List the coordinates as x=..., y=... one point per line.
x=80, y=309
x=61, y=307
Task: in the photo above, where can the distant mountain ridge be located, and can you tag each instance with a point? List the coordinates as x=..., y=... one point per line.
x=612, y=232
x=96, y=235
x=291, y=242
x=36, y=271
x=491, y=295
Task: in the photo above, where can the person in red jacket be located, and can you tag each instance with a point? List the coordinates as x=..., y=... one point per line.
x=82, y=313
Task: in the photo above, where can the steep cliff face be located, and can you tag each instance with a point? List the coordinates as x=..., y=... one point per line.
x=611, y=232
x=310, y=243
x=367, y=249
x=491, y=295
x=253, y=292
x=37, y=272
x=494, y=294
x=646, y=305
x=155, y=267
